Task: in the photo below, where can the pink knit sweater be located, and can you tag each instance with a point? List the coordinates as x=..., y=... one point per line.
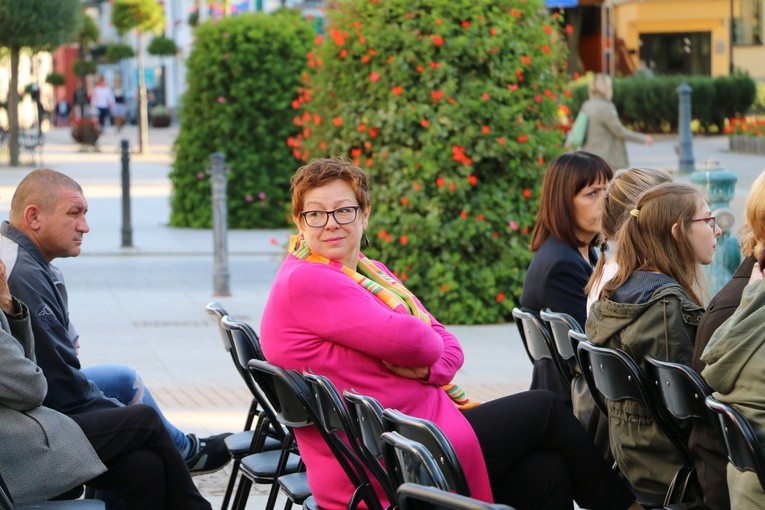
x=319, y=319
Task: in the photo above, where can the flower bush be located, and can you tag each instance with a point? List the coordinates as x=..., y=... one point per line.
x=242, y=76
x=452, y=108
x=747, y=126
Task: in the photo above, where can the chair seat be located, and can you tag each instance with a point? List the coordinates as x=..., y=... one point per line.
x=75, y=504
x=310, y=504
x=261, y=467
x=648, y=500
x=295, y=486
x=239, y=444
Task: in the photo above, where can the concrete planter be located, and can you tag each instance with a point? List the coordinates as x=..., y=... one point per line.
x=747, y=144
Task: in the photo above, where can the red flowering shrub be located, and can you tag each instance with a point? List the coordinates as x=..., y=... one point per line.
x=462, y=97
x=242, y=76
x=750, y=126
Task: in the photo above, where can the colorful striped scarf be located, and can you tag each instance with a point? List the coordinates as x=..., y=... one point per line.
x=389, y=290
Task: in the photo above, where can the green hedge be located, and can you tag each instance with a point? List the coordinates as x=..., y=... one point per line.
x=242, y=76
x=651, y=104
x=451, y=106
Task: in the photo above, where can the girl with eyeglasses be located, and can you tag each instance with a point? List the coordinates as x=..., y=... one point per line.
x=652, y=306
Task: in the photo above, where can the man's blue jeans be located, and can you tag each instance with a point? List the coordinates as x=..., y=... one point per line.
x=122, y=383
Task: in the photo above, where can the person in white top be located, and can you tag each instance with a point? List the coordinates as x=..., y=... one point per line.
x=102, y=99
x=620, y=197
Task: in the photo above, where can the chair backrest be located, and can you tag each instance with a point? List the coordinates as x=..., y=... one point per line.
x=412, y=496
x=538, y=341
x=680, y=388
x=216, y=310
x=560, y=324
x=245, y=346
x=367, y=416
x=336, y=419
x=575, y=338
x=5, y=496
x=429, y=435
x=410, y=461
x=744, y=449
x=533, y=334
x=613, y=374
x=296, y=406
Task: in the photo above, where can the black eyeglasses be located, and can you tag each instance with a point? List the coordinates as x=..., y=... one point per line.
x=342, y=215
x=709, y=220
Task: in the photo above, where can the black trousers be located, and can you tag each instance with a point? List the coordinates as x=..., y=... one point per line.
x=540, y=457
x=144, y=465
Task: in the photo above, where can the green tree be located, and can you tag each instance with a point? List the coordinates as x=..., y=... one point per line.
x=451, y=106
x=142, y=16
x=242, y=76
x=37, y=25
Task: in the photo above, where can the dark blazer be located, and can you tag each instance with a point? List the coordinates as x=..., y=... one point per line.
x=555, y=279
x=705, y=443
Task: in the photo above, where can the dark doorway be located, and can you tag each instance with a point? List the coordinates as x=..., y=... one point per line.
x=679, y=53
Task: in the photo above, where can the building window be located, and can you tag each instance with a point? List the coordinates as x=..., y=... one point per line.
x=747, y=27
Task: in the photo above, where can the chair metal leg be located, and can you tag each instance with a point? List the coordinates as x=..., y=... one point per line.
x=242, y=493
x=231, y=484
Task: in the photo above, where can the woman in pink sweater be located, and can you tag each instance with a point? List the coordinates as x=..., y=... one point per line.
x=335, y=312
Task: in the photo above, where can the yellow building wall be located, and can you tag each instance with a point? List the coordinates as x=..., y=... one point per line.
x=633, y=17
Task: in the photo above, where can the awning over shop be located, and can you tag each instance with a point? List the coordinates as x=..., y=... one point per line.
x=557, y=4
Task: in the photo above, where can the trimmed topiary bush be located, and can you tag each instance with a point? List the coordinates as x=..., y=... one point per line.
x=651, y=104
x=451, y=106
x=242, y=76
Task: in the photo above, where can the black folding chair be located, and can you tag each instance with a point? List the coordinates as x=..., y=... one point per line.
x=680, y=389
x=539, y=343
x=744, y=449
x=575, y=338
x=295, y=407
x=242, y=443
x=428, y=434
x=410, y=461
x=6, y=502
x=336, y=419
x=560, y=324
x=412, y=496
x=612, y=374
x=263, y=464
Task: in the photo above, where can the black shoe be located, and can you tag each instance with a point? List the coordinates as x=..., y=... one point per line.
x=210, y=454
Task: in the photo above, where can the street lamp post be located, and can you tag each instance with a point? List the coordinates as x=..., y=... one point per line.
x=731, y=39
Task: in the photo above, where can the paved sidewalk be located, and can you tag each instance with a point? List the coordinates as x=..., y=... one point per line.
x=144, y=306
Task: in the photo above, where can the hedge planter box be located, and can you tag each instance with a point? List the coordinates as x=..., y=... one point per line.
x=747, y=144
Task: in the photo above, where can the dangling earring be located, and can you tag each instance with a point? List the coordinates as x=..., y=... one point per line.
x=366, y=241
x=297, y=242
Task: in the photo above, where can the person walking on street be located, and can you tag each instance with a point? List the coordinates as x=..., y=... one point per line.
x=102, y=99
x=606, y=136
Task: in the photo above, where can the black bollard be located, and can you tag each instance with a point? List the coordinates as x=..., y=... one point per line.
x=687, y=163
x=127, y=229
x=218, y=171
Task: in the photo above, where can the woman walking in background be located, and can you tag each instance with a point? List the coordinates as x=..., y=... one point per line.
x=606, y=136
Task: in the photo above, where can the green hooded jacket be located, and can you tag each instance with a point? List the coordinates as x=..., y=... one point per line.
x=663, y=326
x=735, y=358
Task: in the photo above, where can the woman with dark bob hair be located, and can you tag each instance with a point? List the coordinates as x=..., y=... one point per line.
x=333, y=311
x=563, y=241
